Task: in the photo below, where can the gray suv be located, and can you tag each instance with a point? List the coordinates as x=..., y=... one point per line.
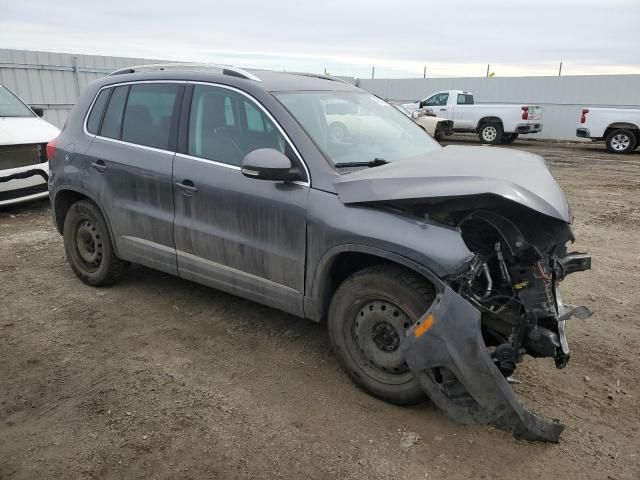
x=436, y=269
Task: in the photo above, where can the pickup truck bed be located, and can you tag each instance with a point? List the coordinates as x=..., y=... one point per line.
x=618, y=127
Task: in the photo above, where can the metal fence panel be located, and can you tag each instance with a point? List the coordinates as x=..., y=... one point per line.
x=54, y=80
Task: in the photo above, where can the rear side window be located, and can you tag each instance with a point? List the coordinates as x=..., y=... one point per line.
x=465, y=99
x=112, y=123
x=93, y=123
x=147, y=117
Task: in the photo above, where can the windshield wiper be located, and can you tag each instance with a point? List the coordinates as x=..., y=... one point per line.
x=373, y=163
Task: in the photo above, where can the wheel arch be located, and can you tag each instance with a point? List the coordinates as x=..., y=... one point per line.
x=341, y=261
x=62, y=201
x=489, y=119
x=621, y=126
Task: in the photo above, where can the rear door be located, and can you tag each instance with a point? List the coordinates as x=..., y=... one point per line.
x=131, y=169
x=238, y=234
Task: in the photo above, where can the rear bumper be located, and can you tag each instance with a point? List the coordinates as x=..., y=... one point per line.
x=583, y=133
x=31, y=186
x=446, y=352
x=529, y=128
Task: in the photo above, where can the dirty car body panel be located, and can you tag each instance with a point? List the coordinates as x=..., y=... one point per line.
x=487, y=227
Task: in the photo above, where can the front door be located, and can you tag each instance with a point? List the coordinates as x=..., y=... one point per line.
x=238, y=234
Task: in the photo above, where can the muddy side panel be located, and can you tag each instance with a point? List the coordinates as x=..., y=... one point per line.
x=446, y=352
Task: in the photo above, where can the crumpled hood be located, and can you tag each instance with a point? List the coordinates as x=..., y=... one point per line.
x=456, y=171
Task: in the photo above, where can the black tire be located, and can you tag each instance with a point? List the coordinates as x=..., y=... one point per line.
x=490, y=133
x=338, y=131
x=393, y=298
x=508, y=138
x=621, y=141
x=88, y=245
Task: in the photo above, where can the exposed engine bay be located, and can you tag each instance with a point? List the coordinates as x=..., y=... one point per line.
x=512, y=285
x=502, y=299
x=514, y=281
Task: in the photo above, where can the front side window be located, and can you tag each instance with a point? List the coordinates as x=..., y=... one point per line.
x=224, y=126
x=147, y=116
x=11, y=106
x=112, y=123
x=356, y=126
x=437, y=100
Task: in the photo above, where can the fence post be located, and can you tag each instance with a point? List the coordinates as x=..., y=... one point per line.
x=76, y=78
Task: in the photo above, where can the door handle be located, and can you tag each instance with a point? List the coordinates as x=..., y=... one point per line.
x=187, y=187
x=99, y=165
x=443, y=109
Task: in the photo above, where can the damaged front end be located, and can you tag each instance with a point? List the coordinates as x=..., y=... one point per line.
x=503, y=304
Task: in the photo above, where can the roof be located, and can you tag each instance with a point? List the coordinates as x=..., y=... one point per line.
x=265, y=79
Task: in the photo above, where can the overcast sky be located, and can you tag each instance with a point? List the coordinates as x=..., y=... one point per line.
x=399, y=37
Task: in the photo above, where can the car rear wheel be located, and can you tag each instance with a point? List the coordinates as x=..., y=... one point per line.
x=369, y=315
x=621, y=141
x=88, y=245
x=508, y=138
x=490, y=133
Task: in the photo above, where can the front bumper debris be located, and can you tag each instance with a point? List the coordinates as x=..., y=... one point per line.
x=446, y=352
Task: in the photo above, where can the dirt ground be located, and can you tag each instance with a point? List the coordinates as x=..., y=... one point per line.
x=157, y=377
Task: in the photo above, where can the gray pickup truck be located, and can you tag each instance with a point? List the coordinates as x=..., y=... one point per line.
x=436, y=269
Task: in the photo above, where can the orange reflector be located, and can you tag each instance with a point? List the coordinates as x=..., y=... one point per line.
x=424, y=326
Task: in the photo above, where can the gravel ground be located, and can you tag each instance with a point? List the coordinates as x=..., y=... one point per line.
x=157, y=377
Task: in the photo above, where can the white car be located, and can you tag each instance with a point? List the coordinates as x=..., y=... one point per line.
x=23, y=158
x=494, y=123
x=618, y=127
x=349, y=120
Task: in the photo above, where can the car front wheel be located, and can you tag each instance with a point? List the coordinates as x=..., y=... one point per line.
x=88, y=245
x=369, y=315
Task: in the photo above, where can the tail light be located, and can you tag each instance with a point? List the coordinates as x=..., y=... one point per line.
x=583, y=117
x=51, y=148
x=525, y=113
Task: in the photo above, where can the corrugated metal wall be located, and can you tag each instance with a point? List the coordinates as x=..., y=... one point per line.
x=562, y=98
x=54, y=80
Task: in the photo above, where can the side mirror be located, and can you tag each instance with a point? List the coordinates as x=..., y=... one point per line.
x=39, y=111
x=268, y=164
x=422, y=104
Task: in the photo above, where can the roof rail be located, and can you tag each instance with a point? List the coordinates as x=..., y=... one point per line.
x=322, y=76
x=158, y=67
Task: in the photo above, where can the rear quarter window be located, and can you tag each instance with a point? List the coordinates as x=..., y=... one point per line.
x=112, y=123
x=93, y=122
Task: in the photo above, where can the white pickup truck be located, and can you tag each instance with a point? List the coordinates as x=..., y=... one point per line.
x=618, y=127
x=494, y=123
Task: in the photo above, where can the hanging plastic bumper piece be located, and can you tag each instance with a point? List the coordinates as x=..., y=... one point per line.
x=446, y=352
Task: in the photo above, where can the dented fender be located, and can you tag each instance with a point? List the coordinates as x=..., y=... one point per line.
x=446, y=352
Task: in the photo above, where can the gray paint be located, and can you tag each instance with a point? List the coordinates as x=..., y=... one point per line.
x=272, y=242
x=459, y=171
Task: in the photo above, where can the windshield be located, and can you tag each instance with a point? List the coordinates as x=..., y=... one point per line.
x=11, y=106
x=357, y=126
